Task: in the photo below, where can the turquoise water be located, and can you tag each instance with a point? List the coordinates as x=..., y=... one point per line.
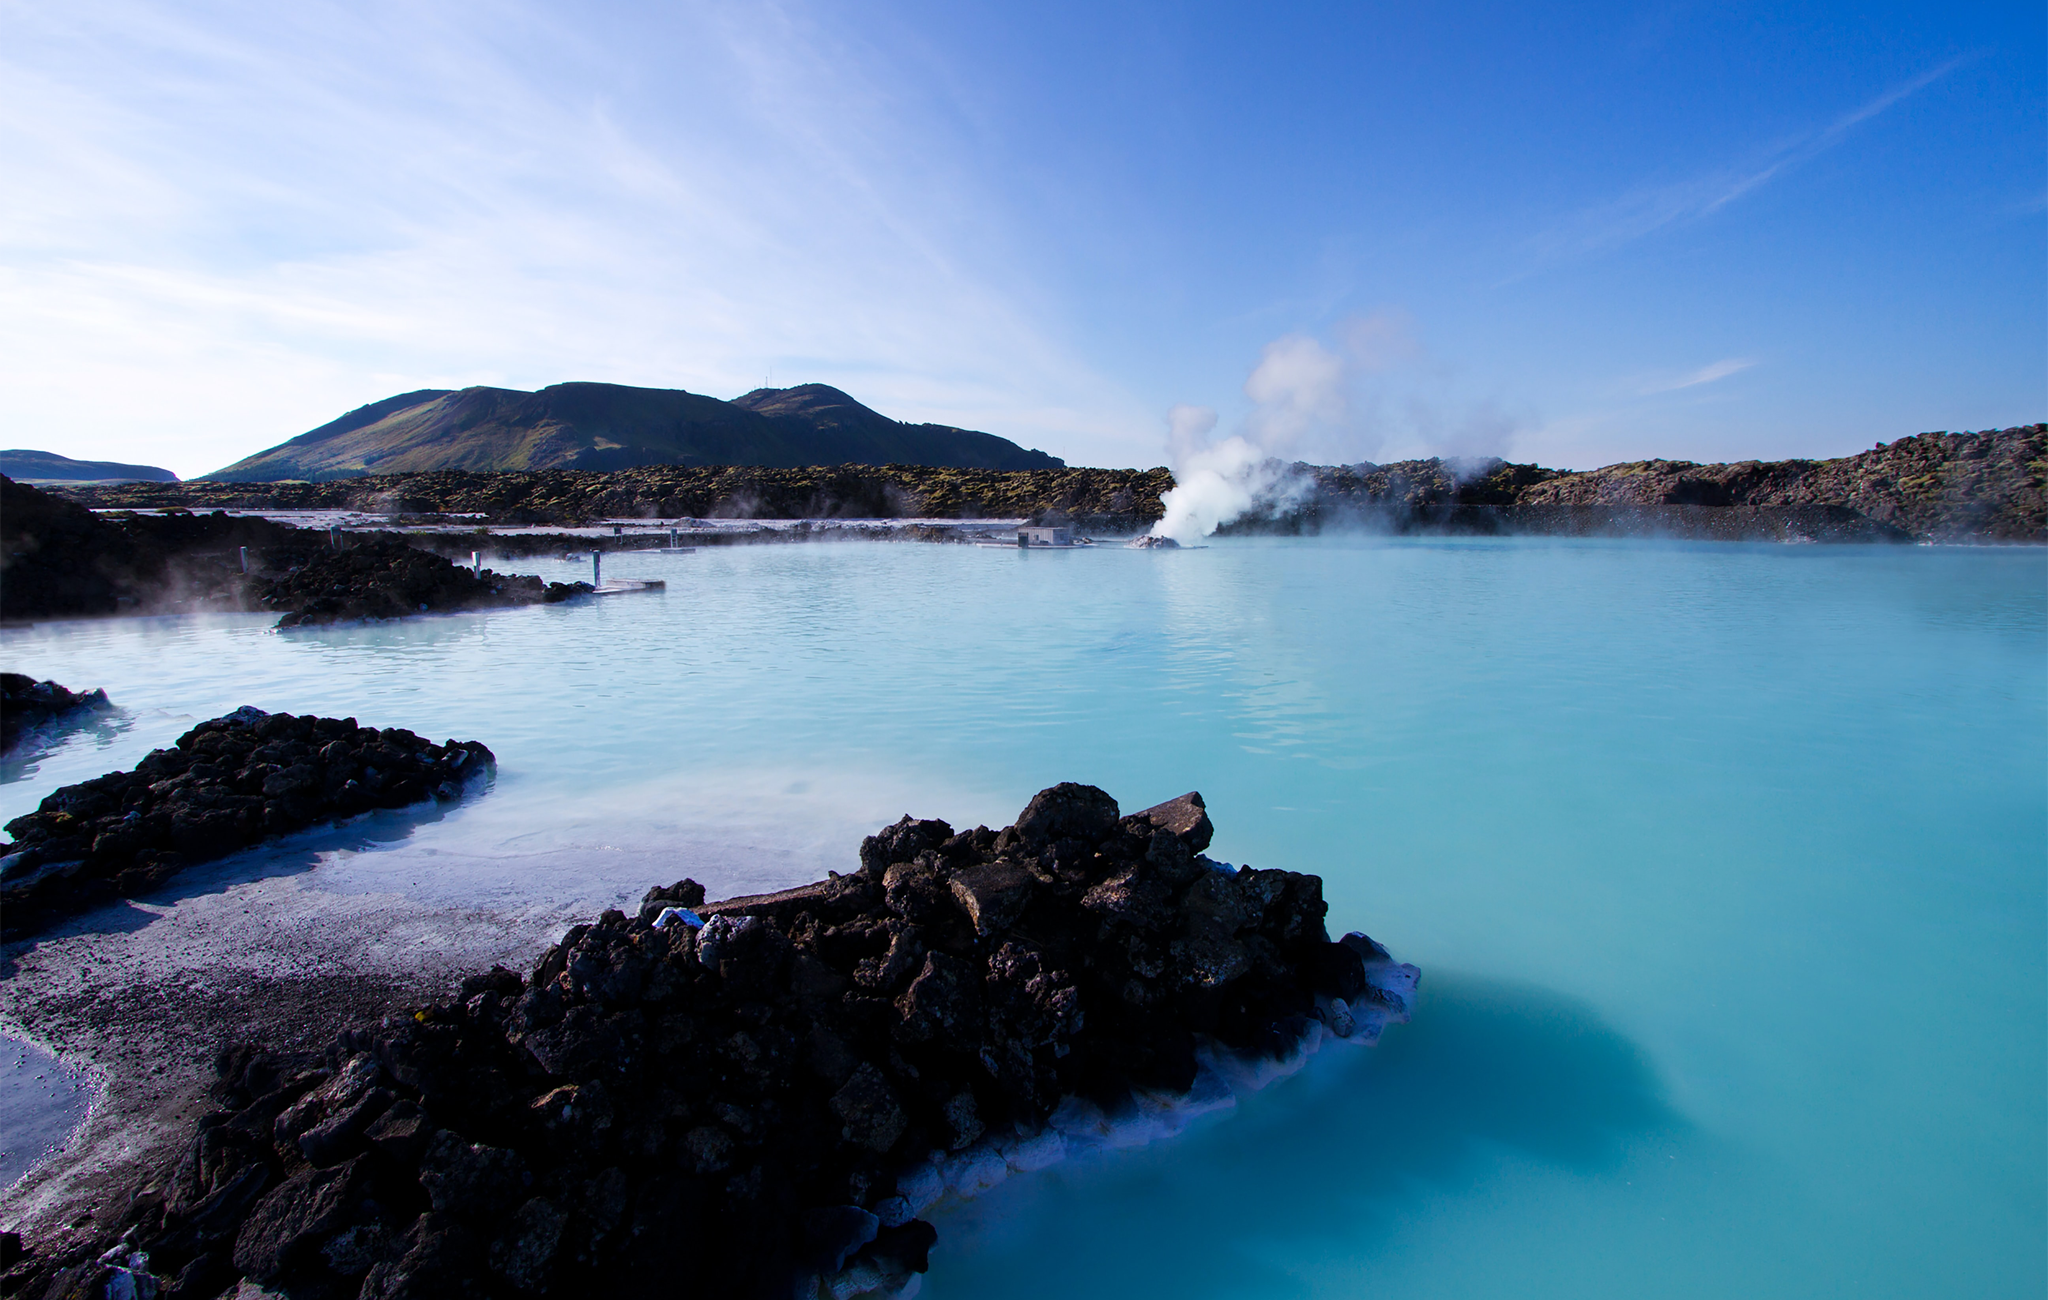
x=1724, y=865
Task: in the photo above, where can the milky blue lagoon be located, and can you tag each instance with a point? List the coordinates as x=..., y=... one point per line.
x=1724, y=865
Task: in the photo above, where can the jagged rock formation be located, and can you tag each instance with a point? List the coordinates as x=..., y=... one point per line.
x=27, y=705
x=230, y=783
x=754, y=1098
x=385, y=578
x=1990, y=486
x=611, y=426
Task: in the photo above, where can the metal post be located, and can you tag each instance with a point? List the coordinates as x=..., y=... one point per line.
x=675, y=539
x=334, y=536
x=476, y=564
x=597, y=568
x=245, y=559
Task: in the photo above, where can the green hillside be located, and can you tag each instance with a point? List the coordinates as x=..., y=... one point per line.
x=611, y=427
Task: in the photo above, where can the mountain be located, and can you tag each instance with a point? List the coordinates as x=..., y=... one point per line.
x=611, y=426
x=24, y=466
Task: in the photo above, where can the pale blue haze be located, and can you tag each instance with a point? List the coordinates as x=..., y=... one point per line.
x=1724, y=866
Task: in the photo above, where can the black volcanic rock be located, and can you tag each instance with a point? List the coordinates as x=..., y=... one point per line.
x=384, y=579
x=27, y=704
x=230, y=783
x=589, y=426
x=60, y=559
x=753, y=1098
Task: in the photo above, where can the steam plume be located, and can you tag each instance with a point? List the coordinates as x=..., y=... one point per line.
x=1304, y=392
x=1298, y=387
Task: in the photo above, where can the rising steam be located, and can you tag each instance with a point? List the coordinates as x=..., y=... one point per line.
x=1303, y=392
x=1299, y=387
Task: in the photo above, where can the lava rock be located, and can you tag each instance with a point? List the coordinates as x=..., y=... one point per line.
x=386, y=579
x=228, y=783
x=756, y=1108
x=27, y=705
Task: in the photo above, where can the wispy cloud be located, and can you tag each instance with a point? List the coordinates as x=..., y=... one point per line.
x=1704, y=375
x=1647, y=209
x=227, y=222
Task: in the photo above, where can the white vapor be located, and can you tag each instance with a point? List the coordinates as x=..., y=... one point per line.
x=1312, y=400
x=1299, y=387
x=1214, y=482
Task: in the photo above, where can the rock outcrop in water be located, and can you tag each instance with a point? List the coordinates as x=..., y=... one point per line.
x=754, y=1098
x=27, y=705
x=385, y=579
x=63, y=560
x=229, y=783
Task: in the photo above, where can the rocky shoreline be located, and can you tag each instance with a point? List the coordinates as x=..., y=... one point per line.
x=1107, y=500
x=1989, y=486
x=784, y=1082
x=229, y=783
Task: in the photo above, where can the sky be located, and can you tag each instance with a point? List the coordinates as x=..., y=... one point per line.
x=1341, y=232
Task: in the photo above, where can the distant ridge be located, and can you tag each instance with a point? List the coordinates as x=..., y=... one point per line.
x=25, y=466
x=611, y=426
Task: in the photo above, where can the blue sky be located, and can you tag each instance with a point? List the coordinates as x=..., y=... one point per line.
x=1352, y=231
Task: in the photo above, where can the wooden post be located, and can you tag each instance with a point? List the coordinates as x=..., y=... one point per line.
x=476, y=564
x=245, y=559
x=597, y=568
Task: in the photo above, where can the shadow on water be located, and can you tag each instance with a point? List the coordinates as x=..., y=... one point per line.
x=1324, y=1162
x=293, y=855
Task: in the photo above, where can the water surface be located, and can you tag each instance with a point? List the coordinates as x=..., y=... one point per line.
x=1724, y=864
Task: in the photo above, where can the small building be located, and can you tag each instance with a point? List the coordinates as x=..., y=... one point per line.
x=1037, y=536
